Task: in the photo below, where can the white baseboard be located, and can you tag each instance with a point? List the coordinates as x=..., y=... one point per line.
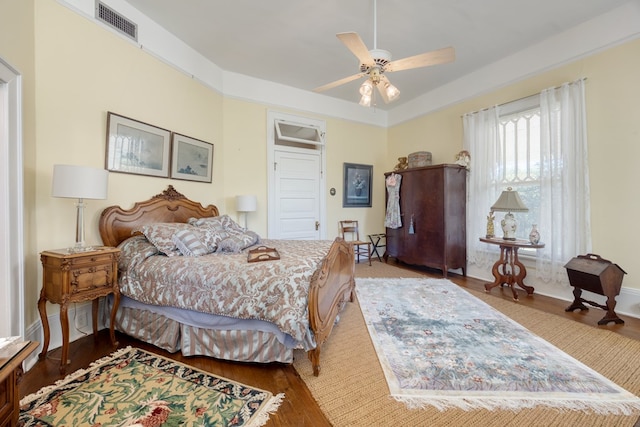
x=80, y=322
x=627, y=303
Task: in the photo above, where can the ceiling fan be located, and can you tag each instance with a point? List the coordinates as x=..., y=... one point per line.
x=376, y=62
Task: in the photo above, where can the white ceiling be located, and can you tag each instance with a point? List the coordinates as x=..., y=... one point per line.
x=294, y=43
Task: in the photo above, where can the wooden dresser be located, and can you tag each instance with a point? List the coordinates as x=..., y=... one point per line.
x=11, y=358
x=435, y=198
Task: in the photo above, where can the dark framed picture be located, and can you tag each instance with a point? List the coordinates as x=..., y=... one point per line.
x=357, y=186
x=136, y=147
x=191, y=159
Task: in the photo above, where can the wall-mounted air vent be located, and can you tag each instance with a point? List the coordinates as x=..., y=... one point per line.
x=115, y=20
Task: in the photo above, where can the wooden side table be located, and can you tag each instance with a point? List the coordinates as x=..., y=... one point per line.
x=11, y=357
x=70, y=277
x=508, y=270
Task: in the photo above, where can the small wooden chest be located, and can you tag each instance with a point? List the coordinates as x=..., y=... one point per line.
x=598, y=275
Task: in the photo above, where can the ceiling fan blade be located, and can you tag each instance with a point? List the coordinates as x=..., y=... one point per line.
x=440, y=56
x=354, y=43
x=338, y=82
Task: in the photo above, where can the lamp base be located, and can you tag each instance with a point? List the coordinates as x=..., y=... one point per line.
x=509, y=227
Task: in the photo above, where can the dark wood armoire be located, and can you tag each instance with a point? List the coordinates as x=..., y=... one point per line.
x=433, y=211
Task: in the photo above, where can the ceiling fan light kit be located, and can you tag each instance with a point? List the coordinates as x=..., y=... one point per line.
x=366, y=90
x=375, y=62
x=365, y=101
x=391, y=91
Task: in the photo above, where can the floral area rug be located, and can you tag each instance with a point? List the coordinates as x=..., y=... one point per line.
x=439, y=345
x=134, y=388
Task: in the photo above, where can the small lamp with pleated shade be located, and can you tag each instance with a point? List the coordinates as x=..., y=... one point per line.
x=509, y=201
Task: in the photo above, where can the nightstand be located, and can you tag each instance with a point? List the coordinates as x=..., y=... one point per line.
x=70, y=277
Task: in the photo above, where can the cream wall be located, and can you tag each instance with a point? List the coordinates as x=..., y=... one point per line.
x=612, y=94
x=245, y=167
x=349, y=142
x=83, y=72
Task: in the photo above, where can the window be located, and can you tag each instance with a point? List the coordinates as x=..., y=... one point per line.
x=519, y=165
x=537, y=146
x=297, y=133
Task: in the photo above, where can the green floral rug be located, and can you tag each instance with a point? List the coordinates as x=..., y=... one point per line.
x=133, y=387
x=439, y=345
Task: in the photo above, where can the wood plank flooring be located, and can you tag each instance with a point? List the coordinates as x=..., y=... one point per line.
x=299, y=408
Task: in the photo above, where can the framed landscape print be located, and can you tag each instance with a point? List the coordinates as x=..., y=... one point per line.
x=136, y=147
x=191, y=159
x=357, y=185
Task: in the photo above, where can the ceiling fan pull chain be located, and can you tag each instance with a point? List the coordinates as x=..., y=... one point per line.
x=375, y=24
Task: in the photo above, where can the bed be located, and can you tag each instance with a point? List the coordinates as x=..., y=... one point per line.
x=219, y=304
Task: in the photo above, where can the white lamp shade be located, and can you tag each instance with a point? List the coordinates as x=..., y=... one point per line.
x=79, y=182
x=246, y=203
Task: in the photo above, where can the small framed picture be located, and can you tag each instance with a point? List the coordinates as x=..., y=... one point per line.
x=136, y=147
x=357, y=186
x=191, y=159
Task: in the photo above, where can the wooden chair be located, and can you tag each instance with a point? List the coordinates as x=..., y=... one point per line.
x=350, y=233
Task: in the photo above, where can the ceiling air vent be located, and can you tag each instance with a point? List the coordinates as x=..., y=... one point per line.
x=116, y=20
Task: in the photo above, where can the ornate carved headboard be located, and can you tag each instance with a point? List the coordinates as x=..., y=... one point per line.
x=117, y=224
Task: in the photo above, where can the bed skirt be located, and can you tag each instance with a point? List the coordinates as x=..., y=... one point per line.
x=172, y=336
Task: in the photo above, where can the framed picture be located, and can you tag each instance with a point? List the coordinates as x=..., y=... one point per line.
x=137, y=147
x=191, y=159
x=357, y=186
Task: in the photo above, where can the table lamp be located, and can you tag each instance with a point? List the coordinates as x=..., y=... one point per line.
x=79, y=182
x=509, y=201
x=246, y=204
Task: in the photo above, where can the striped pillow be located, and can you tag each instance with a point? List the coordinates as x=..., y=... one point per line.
x=188, y=243
x=238, y=241
x=161, y=235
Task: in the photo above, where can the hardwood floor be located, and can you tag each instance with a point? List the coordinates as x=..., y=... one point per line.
x=299, y=407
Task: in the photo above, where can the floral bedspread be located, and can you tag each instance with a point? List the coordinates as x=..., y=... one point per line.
x=226, y=284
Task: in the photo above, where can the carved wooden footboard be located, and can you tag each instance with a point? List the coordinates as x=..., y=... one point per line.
x=332, y=285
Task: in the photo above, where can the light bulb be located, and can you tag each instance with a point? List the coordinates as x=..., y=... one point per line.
x=365, y=101
x=391, y=91
x=366, y=88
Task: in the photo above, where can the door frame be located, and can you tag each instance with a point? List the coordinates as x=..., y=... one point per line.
x=272, y=147
x=12, y=264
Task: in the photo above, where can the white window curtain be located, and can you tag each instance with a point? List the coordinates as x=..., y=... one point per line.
x=481, y=139
x=564, y=193
x=565, y=203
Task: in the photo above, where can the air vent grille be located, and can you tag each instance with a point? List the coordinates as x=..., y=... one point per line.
x=116, y=20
